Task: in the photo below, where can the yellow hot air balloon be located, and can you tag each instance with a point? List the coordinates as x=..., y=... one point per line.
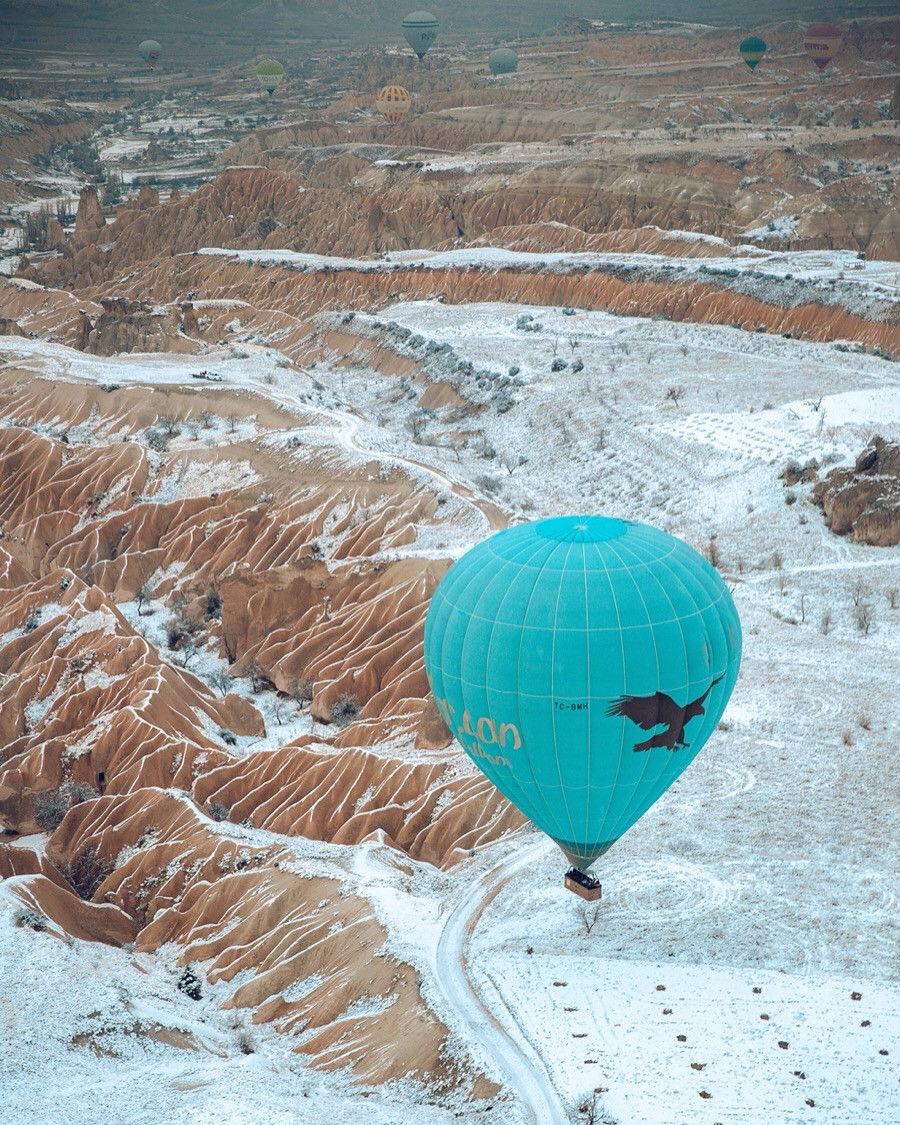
x=393, y=103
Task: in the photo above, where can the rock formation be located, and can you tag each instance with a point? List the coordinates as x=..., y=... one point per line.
x=864, y=501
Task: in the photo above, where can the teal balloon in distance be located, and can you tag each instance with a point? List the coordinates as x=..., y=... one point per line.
x=582, y=662
x=420, y=31
x=503, y=61
x=150, y=50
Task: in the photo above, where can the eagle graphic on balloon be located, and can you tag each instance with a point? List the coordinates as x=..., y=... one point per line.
x=568, y=636
x=649, y=711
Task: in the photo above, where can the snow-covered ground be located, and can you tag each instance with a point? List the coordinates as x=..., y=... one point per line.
x=824, y=267
x=770, y=864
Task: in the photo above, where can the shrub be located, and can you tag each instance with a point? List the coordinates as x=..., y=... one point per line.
x=157, y=441
x=189, y=984
x=31, y=919
x=214, y=605
x=49, y=808
x=228, y=737
x=217, y=811
x=345, y=710
x=487, y=483
x=86, y=872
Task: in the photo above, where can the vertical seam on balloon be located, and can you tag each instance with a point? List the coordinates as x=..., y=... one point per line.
x=615, y=605
x=714, y=604
x=626, y=811
x=649, y=626
x=494, y=556
x=490, y=558
x=587, y=660
x=553, y=686
x=536, y=787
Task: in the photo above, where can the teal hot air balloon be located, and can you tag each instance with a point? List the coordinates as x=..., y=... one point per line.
x=150, y=50
x=752, y=50
x=420, y=30
x=582, y=662
x=503, y=61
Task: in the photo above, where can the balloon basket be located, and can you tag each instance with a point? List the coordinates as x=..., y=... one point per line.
x=582, y=885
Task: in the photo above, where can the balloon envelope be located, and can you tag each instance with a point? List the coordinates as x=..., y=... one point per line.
x=420, y=30
x=582, y=662
x=270, y=74
x=821, y=43
x=150, y=50
x=752, y=50
x=503, y=61
x=393, y=102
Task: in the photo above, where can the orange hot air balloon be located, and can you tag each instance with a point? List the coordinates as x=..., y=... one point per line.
x=821, y=43
x=394, y=103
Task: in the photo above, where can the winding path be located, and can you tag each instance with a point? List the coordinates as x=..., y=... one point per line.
x=347, y=435
x=522, y=1068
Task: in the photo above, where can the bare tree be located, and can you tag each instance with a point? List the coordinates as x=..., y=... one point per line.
x=589, y=915
x=591, y=1109
x=256, y=676
x=144, y=595
x=222, y=679
x=825, y=623
x=186, y=652
x=893, y=596
x=863, y=617
x=512, y=463
x=674, y=393
x=301, y=691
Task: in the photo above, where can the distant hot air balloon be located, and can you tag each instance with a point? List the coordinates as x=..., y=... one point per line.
x=270, y=73
x=420, y=30
x=752, y=50
x=394, y=103
x=503, y=61
x=582, y=662
x=821, y=43
x=150, y=51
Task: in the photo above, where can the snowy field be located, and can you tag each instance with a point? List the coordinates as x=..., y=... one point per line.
x=770, y=864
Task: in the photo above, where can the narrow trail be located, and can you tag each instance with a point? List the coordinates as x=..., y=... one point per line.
x=522, y=1068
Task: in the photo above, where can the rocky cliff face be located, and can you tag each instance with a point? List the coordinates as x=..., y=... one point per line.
x=128, y=760
x=864, y=501
x=30, y=128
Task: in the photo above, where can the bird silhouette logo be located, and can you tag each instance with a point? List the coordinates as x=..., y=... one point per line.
x=649, y=711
